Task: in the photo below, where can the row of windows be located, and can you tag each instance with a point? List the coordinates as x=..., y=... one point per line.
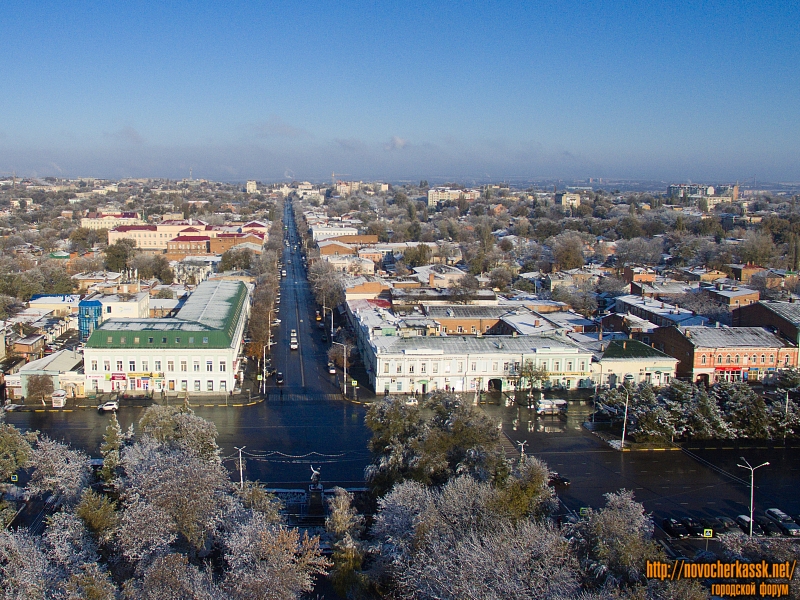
x=423, y=367
x=737, y=359
x=157, y=364
x=150, y=340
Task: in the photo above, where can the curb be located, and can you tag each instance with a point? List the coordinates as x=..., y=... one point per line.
x=95, y=406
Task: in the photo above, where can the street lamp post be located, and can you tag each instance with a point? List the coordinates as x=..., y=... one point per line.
x=752, y=479
x=344, y=361
x=625, y=418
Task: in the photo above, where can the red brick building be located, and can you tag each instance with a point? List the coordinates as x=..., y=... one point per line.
x=710, y=354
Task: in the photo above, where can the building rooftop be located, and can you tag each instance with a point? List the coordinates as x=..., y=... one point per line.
x=463, y=344
x=212, y=311
x=732, y=337
x=58, y=362
x=787, y=310
x=628, y=349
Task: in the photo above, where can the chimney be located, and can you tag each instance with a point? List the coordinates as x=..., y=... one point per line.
x=431, y=277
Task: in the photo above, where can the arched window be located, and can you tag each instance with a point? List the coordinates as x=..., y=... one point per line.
x=719, y=359
x=728, y=359
x=771, y=358
x=763, y=359
x=703, y=359
x=736, y=359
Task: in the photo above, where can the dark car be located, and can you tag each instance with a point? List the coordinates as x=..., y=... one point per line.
x=675, y=528
x=783, y=521
x=557, y=480
x=767, y=526
x=743, y=521
x=715, y=525
x=728, y=523
x=692, y=526
x=279, y=378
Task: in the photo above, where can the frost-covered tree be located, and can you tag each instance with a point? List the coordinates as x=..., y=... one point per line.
x=111, y=448
x=59, y=471
x=15, y=450
x=172, y=577
x=345, y=526
x=745, y=410
x=614, y=542
x=187, y=488
x=453, y=543
x=181, y=428
x=704, y=419
x=26, y=573
x=265, y=560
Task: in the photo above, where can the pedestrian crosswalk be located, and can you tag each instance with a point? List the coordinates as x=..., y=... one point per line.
x=299, y=396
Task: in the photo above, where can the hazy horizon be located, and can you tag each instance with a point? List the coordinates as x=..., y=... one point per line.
x=665, y=91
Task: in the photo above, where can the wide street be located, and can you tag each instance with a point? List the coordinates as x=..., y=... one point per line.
x=306, y=422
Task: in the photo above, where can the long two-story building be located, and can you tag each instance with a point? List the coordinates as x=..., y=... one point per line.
x=469, y=364
x=197, y=351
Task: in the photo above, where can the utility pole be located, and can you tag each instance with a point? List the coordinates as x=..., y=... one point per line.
x=241, y=468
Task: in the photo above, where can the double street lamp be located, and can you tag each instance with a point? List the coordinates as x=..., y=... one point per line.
x=752, y=470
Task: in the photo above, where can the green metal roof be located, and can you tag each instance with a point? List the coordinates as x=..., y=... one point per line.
x=631, y=349
x=207, y=320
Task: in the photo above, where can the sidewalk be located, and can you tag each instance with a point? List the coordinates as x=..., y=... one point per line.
x=238, y=399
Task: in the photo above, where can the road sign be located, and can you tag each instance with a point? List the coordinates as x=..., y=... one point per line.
x=259, y=377
x=707, y=533
x=583, y=511
x=15, y=477
x=354, y=383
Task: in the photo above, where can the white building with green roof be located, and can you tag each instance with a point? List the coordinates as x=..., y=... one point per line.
x=197, y=351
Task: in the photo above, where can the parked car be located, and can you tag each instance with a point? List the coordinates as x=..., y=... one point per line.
x=728, y=523
x=783, y=521
x=331, y=368
x=767, y=526
x=715, y=525
x=693, y=526
x=743, y=521
x=675, y=528
x=107, y=406
x=279, y=378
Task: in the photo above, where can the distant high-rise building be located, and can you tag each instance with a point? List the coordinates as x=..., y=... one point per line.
x=252, y=187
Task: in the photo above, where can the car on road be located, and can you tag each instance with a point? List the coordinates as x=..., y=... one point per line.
x=412, y=401
x=293, y=345
x=783, y=521
x=276, y=322
x=692, y=526
x=12, y=407
x=331, y=368
x=556, y=480
x=674, y=528
x=279, y=378
x=107, y=406
x=293, y=333
x=283, y=273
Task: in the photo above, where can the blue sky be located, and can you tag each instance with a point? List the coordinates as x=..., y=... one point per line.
x=401, y=90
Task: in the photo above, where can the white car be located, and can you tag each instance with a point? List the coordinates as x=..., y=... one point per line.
x=276, y=322
x=293, y=333
x=331, y=368
x=106, y=406
x=293, y=345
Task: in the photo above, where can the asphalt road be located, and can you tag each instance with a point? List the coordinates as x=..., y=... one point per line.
x=670, y=483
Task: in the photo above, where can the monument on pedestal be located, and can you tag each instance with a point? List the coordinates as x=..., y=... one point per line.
x=316, y=506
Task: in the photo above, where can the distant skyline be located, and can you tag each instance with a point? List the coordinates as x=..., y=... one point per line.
x=391, y=90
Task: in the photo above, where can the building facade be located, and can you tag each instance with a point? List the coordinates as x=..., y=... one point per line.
x=196, y=352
